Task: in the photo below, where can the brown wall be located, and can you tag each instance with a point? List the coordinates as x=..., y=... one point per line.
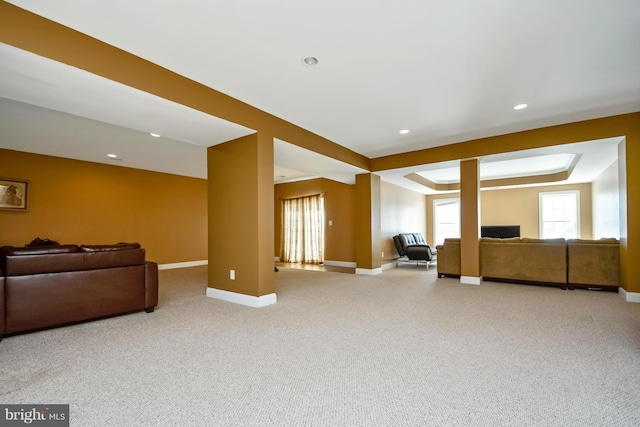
x=402, y=211
x=519, y=206
x=339, y=205
x=72, y=201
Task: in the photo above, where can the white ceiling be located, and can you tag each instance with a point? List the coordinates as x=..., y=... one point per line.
x=447, y=71
x=497, y=169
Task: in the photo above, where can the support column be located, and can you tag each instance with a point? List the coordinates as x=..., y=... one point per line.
x=470, y=222
x=368, y=234
x=629, y=191
x=240, y=191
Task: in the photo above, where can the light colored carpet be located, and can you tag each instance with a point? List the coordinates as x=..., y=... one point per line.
x=398, y=349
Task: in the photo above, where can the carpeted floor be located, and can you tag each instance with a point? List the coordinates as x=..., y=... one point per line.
x=399, y=349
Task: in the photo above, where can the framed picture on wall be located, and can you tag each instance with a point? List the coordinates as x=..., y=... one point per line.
x=13, y=195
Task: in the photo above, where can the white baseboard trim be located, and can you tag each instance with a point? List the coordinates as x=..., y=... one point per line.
x=182, y=264
x=388, y=266
x=629, y=296
x=369, y=271
x=249, y=300
x=340, y=263
x=470, y=280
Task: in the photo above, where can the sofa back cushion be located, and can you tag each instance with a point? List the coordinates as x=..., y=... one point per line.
x=499, y=240
x=17, y=251
x=114, y=258
x=38, y=250
x=411, y=239
x=55, y=259
x=604, y=241
x=109, y=248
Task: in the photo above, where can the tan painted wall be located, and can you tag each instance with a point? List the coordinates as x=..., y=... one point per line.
x=519, y=206
x=605, y=201
x=72, y=201
x=402, y=211
x=339, y=206
x=522, y=204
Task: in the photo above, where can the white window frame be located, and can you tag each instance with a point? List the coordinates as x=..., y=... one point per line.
x=437, y=202
x=541, y=196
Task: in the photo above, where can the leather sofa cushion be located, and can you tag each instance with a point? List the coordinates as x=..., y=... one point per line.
x=106, y=248
x=38, y=250
x=14, y=251
x=18, y=265
x=114, y=258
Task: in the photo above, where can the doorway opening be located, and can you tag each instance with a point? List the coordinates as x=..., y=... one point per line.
x=303, y=229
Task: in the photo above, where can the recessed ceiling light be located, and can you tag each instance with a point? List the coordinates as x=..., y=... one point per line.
x=520, y=107
x=113, y=156
x=310, y=60
x=404, y=131
x=155, y=135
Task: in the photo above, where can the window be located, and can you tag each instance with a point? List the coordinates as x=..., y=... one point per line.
x=560, y=215
x=446, y=219
x=303, y=229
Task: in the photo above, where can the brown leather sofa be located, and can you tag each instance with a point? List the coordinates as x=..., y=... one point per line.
x=566, y=263
x=47, y=286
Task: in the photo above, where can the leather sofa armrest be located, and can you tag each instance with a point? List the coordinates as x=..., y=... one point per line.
x=150, y=285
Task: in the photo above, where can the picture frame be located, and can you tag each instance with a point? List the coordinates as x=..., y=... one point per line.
x=13, y=195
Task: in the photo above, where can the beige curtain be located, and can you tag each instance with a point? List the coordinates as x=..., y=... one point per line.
x=303, y=229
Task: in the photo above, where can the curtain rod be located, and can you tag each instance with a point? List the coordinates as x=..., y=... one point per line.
x=300, y=197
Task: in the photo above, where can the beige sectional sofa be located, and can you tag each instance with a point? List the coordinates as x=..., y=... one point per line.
x=594, y=263
x=526, y=260
x=566, y=263
x=449, y=258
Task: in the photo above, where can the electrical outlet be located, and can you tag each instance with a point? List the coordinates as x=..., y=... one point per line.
x=382, y=254
x=232, y=274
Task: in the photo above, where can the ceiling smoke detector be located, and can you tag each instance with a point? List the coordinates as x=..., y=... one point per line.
x=310, y=60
